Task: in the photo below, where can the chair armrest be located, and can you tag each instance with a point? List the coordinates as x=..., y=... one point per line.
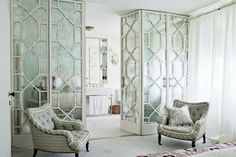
x=199, y=123
x=61, y=124
x=163, y=120
x=200, y=127
x=64, y=137
x=48, y=131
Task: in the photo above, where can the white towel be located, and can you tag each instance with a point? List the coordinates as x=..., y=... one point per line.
x=98, y=105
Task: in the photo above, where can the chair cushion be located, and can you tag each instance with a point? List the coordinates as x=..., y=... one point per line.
x=79, y=139
x=178, y=129
x=179, y=116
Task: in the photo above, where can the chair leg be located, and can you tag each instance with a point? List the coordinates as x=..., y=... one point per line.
x=193, y=143
x=87, y=146
x=159, y=139
x=76, y=154
x=35, y=152
x=204, y=138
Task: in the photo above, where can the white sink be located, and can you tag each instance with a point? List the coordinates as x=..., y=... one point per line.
x=98, y=91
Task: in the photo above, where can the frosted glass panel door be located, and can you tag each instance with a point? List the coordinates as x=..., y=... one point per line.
x=29, y=60
x=66, y=58
x=154, y=65
x=47, y=41
x=130, y=73
x=177, y=58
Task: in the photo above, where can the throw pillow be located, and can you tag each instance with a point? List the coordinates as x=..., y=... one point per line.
x=179, y=116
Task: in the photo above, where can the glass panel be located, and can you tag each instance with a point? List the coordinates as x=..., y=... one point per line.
x=29, y=59
x=30, y=30
x=41, y=15
x=57, y=15
x=30, y=66
x=74, y=114
x=67, y=8
x=21, y=124
x=30, y=5
x=19, y=82
x=66, y=33
x=154, y=62
x=130, y=68
x=178, y=57
x=66, y=59
x=76, y=18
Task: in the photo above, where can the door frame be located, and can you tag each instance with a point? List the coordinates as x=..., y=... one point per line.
x=5, y=118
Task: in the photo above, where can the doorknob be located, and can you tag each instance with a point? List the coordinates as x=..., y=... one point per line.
x=12, y=94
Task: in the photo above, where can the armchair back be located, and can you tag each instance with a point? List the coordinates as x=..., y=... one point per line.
x=42, y=116
x=197, y=110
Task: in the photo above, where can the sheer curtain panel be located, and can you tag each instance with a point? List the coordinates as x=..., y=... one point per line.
x=212, y=70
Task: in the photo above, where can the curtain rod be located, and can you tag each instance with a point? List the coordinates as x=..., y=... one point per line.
x=213, y=10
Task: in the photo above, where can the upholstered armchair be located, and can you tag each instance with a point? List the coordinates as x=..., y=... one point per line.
x=198, y=113
x=52, y=134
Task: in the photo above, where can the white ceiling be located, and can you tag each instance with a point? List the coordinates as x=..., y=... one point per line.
x=174, y=6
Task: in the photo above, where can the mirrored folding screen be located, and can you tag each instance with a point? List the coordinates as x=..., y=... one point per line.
x=46, y=58
x=130, y=72
x=154, y=63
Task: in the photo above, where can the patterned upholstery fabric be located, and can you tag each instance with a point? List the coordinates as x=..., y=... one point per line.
x=52, y=134
x=180, y=129
x=196, y=110
x=198, y=113
x=179, y=116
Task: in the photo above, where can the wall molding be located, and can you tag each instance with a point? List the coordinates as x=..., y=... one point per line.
x=211, y=8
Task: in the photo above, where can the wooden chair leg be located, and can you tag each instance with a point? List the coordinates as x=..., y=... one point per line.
x=159, y=139
x=87, y=146
x=204, y=138
x=76, y=154
x=35, y=152
x=193, y=143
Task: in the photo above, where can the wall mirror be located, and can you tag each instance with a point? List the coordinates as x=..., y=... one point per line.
x=96, y=61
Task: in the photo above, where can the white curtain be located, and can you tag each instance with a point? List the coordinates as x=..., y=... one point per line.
x=212, y=70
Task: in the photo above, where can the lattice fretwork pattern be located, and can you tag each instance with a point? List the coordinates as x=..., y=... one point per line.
x=66, y=59
x=178, y=57
x=130, y=61
x=154, y=65
x=29, y=58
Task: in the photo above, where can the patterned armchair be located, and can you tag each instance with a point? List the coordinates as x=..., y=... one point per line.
x=53, y=134
x=198, y=113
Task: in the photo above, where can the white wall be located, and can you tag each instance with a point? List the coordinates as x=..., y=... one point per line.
x=107, y=25
x=5, y=130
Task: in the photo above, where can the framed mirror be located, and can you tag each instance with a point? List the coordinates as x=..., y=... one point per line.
x=96, y=61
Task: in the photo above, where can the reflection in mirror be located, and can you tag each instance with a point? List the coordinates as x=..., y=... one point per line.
x=96, y=61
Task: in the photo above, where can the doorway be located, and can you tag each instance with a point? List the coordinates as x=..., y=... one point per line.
x=103, y=72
